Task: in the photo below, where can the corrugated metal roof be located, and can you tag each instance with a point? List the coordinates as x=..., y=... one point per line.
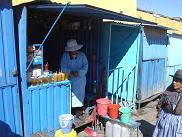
x=89, y=11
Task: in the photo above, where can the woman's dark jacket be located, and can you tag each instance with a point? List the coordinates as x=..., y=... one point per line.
x=171, y=101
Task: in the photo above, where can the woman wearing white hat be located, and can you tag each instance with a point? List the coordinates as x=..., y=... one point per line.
x=75, y=63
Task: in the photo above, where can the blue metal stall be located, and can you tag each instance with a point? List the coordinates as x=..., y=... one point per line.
x=174, y=56
x=120, y=54
x=91, y=39
x=10, y=113
x=43, y=103
x=151, y=73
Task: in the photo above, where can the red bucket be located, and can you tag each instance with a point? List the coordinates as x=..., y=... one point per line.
x=114, y=110
x=102, y=106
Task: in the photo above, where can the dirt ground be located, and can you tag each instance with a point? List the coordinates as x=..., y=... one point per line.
x=146, y=116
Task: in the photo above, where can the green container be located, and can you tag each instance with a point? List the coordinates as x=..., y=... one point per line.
x=125, y=114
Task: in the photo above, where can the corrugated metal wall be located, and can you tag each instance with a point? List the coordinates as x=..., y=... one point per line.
x=122, y=53
x=152, y=77
x=10, y=114
x=154, y=43
x=151, y=74
x=174, y=56
x=45, y=105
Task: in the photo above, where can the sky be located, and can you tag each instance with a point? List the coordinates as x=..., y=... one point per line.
x=171, y=8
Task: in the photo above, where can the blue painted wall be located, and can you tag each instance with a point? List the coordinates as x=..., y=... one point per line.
x=174, y=56
x=45, y=104
x=120, y=55
x=152, y=77
x=10, y=114
x=151, y=74
x=154, y=43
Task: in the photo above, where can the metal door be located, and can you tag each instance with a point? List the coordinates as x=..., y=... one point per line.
x=10, y=114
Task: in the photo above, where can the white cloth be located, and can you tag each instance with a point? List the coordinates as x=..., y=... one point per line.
x=80, y=64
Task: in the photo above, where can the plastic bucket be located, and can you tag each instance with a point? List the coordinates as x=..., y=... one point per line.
x=113, y=110
x=102, y=106
x=59, y=133
x=125, y=114
x=66, y=121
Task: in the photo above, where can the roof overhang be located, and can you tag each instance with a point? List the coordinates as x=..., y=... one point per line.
x=88, y=11
x=158, y=26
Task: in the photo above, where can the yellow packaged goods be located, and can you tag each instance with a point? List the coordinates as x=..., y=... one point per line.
x=33, y=81
x=60, y=134
x=45, y=79
x=66, y=76
x=59, y=76
x=62, y=76
x=55, y=77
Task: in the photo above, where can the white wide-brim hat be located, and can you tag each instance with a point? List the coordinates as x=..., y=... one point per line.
x=72, y=45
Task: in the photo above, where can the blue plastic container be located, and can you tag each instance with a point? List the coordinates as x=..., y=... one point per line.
x=66, y=121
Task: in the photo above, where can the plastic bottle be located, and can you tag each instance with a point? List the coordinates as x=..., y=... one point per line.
x=125, y=132
x=59, y=76
x=46, y=67
x=94, y=88
x=109, y=128
x=55, y=77
x=116, y=130
x=62, y=76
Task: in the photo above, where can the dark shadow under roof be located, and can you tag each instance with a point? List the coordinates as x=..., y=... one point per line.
x=89, y=11
x=158, y=26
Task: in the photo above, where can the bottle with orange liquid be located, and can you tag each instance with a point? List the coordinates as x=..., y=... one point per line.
x=59, y=76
